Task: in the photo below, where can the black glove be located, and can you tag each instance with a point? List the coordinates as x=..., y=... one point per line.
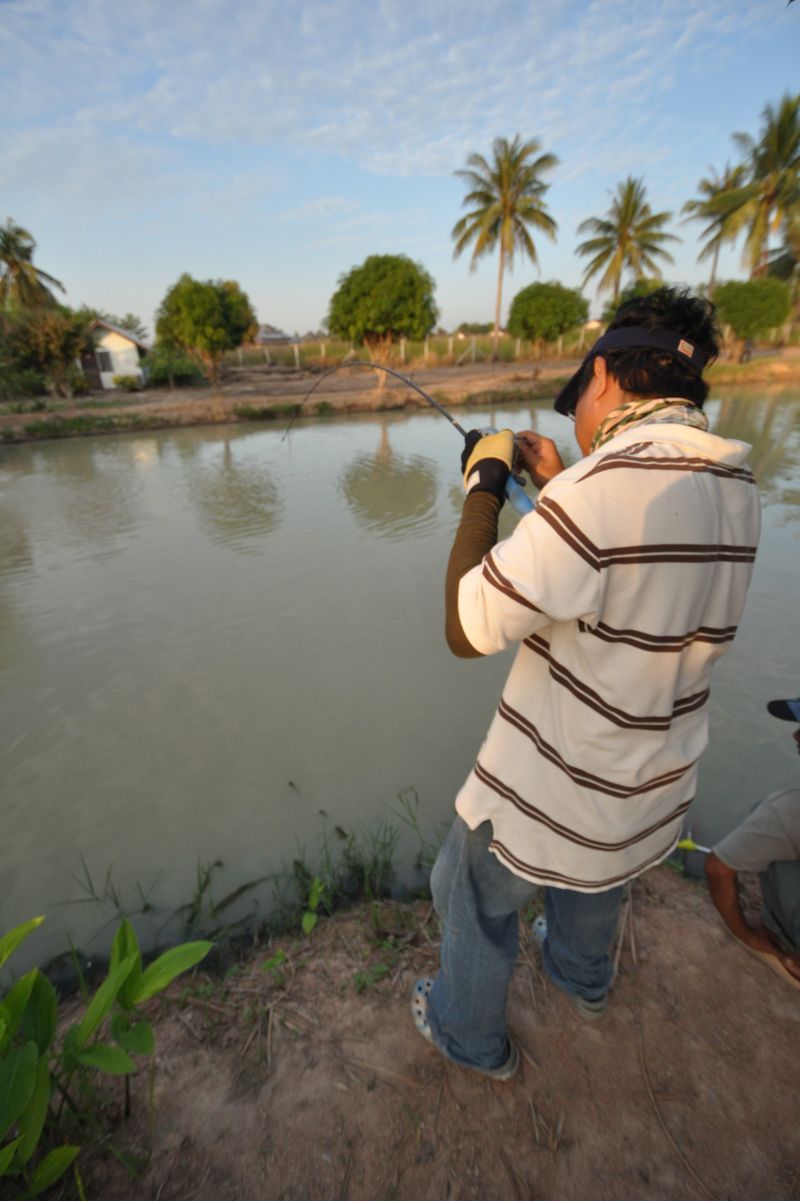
x=486, y=462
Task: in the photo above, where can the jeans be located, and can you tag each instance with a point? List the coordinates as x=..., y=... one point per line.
x=478, y=900
x=780, y=889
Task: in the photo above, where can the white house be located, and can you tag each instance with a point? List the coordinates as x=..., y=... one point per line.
x=116, y=352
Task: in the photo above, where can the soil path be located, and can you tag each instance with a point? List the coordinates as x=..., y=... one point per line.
x=273, y=388
x=297, y=1087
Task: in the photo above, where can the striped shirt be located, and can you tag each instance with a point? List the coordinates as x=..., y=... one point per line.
x=622, y=589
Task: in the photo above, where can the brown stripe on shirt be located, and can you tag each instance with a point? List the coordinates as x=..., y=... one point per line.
x=496, y=578
x=557, y=877
x=593, y=700
x=670, y=643
x=665, y=552
x=595, y=844
x=624, y=461
x=578, y=775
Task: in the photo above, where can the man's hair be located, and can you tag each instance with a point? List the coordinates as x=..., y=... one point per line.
x=648, y=372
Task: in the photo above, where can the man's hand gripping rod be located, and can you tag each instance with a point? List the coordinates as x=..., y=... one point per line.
x=515, y=493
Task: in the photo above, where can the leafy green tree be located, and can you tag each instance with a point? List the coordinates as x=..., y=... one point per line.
x=475, y=327
x=770, y=194
x=542, y=312
x=48, y=341
x=130, y=322
x=21, y=283
x=751, y=308
x=387, y=297
x=205, y=318
x=630, y=237
x=720, y=225
x=639, y=287
x=505, y=196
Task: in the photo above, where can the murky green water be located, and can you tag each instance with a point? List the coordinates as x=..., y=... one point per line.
x=209, y=636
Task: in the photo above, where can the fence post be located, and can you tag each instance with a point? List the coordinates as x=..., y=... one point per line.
x=516, y=349
x=296, y=356
x=425, y=352
x=267, y=359
x=402, y=350
x=472, y=348
x=582, y=337
x=560, y=345
x=239, y=354
x=323, y=349
x=450, y=347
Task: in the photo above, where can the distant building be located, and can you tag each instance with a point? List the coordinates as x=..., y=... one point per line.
x=116, y=352
x=269, y=335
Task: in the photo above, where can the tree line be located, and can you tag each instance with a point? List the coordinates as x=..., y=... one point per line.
x=387, y=297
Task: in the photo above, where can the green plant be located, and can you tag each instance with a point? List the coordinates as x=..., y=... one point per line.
x=387, y=297
x=316, y=894
x=274, y=965
x=47, y=1096
x=753, y=307
x=545, y=311
x=370, y=976
x=205, y=319
x=130, y=383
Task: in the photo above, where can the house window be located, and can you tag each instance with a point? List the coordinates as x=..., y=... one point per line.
x=104, y=361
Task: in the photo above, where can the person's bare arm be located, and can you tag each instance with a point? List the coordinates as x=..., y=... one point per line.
x=722, y=885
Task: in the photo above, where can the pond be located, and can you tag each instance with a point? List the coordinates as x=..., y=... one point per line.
x=218, y=644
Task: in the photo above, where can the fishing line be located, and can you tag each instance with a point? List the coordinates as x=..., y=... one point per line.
x=515, y=493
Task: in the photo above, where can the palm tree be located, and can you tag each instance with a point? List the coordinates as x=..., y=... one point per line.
x=20, y=282
x=630, y=237
x=770, y=194
x=722, y=226
x=784, y=262
x=505, y=197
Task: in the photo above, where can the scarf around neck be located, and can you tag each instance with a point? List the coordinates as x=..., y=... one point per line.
x=652, y=412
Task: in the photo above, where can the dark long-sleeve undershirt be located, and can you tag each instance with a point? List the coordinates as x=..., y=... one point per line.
x=475, y=537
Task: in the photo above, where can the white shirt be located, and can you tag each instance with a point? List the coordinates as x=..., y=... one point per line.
x=623, y=587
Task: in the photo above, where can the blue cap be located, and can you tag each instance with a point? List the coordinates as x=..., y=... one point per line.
x=632, y=335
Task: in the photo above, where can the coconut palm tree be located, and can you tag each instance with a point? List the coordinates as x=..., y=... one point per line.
x=722, y=226
x=630, y=237
x=505, y=197
x=770, y=194
x=20, y=282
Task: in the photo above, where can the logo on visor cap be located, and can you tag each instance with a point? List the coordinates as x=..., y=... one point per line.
x=686, y=348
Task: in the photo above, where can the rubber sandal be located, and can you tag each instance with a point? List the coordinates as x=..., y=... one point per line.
x=419, y=1007
x=419, y=1014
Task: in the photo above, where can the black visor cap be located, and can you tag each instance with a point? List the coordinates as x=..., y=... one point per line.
x=631, y=335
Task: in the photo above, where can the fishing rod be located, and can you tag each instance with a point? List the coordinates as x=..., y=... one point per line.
x=515, y=493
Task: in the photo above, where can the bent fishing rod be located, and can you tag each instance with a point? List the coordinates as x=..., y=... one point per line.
x=515, y=493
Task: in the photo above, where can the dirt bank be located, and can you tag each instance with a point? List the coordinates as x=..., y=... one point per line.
x=291, y=1084
x=263, y=393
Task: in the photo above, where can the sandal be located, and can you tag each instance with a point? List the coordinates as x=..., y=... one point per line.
x=419, y=1014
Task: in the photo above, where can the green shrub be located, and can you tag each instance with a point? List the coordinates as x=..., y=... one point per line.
x=47, y=1093
x=129, y=383
x=167, y=367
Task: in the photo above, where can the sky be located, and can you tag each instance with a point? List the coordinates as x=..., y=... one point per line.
x=279, y=144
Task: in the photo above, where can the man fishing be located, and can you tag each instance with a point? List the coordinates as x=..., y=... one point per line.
x=767, y=842
x=620, y=591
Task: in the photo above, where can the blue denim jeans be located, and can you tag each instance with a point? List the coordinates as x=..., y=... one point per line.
x=478, y=900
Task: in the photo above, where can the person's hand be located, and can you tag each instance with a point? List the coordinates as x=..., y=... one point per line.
x=486, y=462
x=539, y=457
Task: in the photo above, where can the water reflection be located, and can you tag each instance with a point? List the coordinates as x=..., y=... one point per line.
x=392, y=495
x=235, y=497
x=768, y=424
